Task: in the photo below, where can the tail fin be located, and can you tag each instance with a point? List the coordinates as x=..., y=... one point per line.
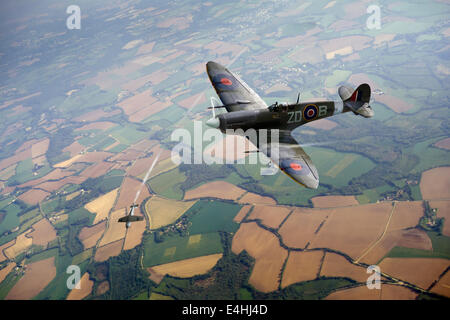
x=362, y=93
x=358, y=101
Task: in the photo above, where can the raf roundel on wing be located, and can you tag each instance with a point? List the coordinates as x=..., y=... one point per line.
x=224, y=82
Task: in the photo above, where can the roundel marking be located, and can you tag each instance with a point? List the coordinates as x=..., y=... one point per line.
x=226, y=81
x=296, y=166
x=310, y=112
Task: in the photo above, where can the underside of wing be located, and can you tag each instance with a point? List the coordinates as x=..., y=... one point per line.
x=234, y=93
x=292, y=160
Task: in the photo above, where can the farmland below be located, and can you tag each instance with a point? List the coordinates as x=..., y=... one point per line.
x=87, y=125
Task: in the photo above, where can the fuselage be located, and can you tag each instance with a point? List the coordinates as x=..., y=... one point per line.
x=279, y=116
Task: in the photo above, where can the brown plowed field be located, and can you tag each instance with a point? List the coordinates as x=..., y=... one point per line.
x=334, y=201
x=37, y=276
x=270, y=216
x=111, y=250
x=301, y=266
x=216, y=189
x=351, y=230
x=435, y=183
x=265, y=248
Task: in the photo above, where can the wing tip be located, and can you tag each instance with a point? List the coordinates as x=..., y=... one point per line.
x=211, y=65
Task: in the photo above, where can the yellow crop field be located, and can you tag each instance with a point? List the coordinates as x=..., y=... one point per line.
x=67, y=163
x=189, y=267
x=116, y=230
x=194, y=239
x=215, y=189
x=170, y=251
x=341, y=165
x=162, y=212
x=72, y=195
x=162, y=166
x=22, y=243
x=3, y=247
x=102, y=205
x=157, y=296
x=85, y=288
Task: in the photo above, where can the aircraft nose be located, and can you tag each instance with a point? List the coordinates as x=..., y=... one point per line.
x=213, y=123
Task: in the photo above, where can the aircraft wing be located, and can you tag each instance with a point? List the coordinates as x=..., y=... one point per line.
x=131, y=219
x=292, y=160
x=234, y=93
x=135, y=218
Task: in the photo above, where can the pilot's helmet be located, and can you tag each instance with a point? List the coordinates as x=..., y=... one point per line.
x=345, y=92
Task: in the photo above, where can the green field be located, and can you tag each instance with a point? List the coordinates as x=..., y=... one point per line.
x=168, y=183
x=80, y=214
x=430, y=157
x=175, y=248
x=127, y=135
x=43, y=255
x=25, y=172
x=50, y=206
x=28, y=223
x=57, y=288
x=373, y=195
x=102, y=144
x=119, y=148
x=338, y=77
x=6, y=201
x=213, y=216
x=335, y=169
x=11, y=218
x=83, y=256
x=381, y=111
x=314, y=290
x=86, y=98
x=7, y=284
x=29, y=215
x=172, y=114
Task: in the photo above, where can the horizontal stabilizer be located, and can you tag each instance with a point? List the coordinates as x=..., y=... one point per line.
x=358, y=101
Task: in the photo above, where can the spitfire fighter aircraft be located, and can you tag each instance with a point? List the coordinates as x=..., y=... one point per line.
x=246, y=110
x=128, y=219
